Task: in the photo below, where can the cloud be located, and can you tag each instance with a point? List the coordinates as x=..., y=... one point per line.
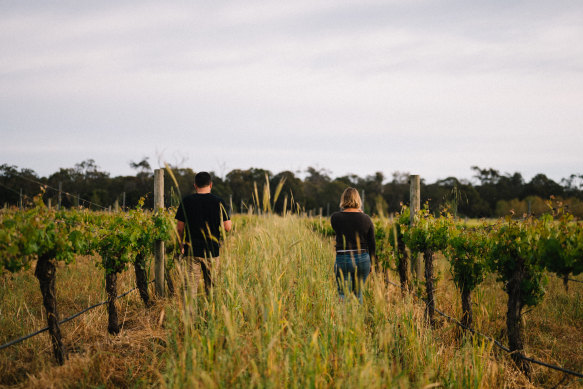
x=405, y=83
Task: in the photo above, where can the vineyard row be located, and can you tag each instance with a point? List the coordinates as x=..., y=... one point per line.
x=517, y=252
x=48, y=236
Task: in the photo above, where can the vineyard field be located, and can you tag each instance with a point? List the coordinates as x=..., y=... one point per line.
x=275, y=320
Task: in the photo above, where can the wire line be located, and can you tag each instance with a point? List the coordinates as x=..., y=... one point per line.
x=19, y=340
x=62, y=191
x=10, y=189
x=496, y=342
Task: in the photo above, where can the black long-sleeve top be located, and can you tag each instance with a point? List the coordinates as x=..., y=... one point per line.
x=352, y=229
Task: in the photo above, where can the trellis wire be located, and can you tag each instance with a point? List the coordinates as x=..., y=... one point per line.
x=21, y=339
x=496, y=342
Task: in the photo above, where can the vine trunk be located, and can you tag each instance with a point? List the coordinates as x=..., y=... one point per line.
x=111, y=289
x=467, y=317
x=45, y=272
x=142, y=279
x=513, y=316
x=403, y=264
x=430, y=309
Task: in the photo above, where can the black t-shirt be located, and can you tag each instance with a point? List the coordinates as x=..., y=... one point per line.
x=354, y=230
x=203, y=215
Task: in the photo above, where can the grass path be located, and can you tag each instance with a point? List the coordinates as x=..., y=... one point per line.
x=275, y=320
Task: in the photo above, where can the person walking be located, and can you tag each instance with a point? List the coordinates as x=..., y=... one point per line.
x=355, y=244
x=200, y=217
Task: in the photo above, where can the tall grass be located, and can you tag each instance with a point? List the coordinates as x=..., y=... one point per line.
x=274, y=320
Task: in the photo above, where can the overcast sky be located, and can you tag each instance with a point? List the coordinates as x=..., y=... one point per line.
x=426, y=87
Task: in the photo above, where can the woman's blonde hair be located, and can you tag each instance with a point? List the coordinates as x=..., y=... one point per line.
x=350, y=199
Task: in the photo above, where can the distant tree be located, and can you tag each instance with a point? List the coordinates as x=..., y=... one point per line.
x=472, y=204
x=493, y=193
x=143, y=169
x=85, y=184
x=241, y=183
x=531, y=205
x=142, y=166
x=351, y=180
x=486, y=176
x=220, y=187
x=88, y=170
x=543, y=187
x=440, y=194
x=573, y=186
x=511, y=207
x=487, y=186
x=510, y=186
x=293, y=188
x=12, y=181
x=494, y=187
x=315, y=188
x=396, y=192
x=373, y=188
x=332, y=195
x=575, y=207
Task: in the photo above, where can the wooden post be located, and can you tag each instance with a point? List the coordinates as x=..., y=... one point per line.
x=231, y=203
x=123, y=201
x=363, y=200
x=49, y=204
x=20, y=201
x=415, y=196
x=415, y=199
x=159, y=264
x=327, y=209
x=60, y=195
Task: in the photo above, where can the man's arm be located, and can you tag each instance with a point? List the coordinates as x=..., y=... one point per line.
x=226, y=216
x=180, y=232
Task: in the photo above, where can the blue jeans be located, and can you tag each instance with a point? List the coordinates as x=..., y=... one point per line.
x=351, y=272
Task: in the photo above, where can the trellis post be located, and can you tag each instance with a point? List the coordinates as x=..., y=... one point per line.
x=415, y=207
x=60, y=195
x=159, y=265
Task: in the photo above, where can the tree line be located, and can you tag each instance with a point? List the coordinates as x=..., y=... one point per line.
x=491, y=194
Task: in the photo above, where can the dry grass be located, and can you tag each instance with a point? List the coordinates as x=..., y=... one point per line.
x=95, y=358
x=553, y=330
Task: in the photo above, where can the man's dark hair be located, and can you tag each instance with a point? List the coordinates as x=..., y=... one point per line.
x=202, y=179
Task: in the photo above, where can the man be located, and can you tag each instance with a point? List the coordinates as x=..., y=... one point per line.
x=200, y=217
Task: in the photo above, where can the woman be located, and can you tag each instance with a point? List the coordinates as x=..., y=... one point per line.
x=355, y=244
